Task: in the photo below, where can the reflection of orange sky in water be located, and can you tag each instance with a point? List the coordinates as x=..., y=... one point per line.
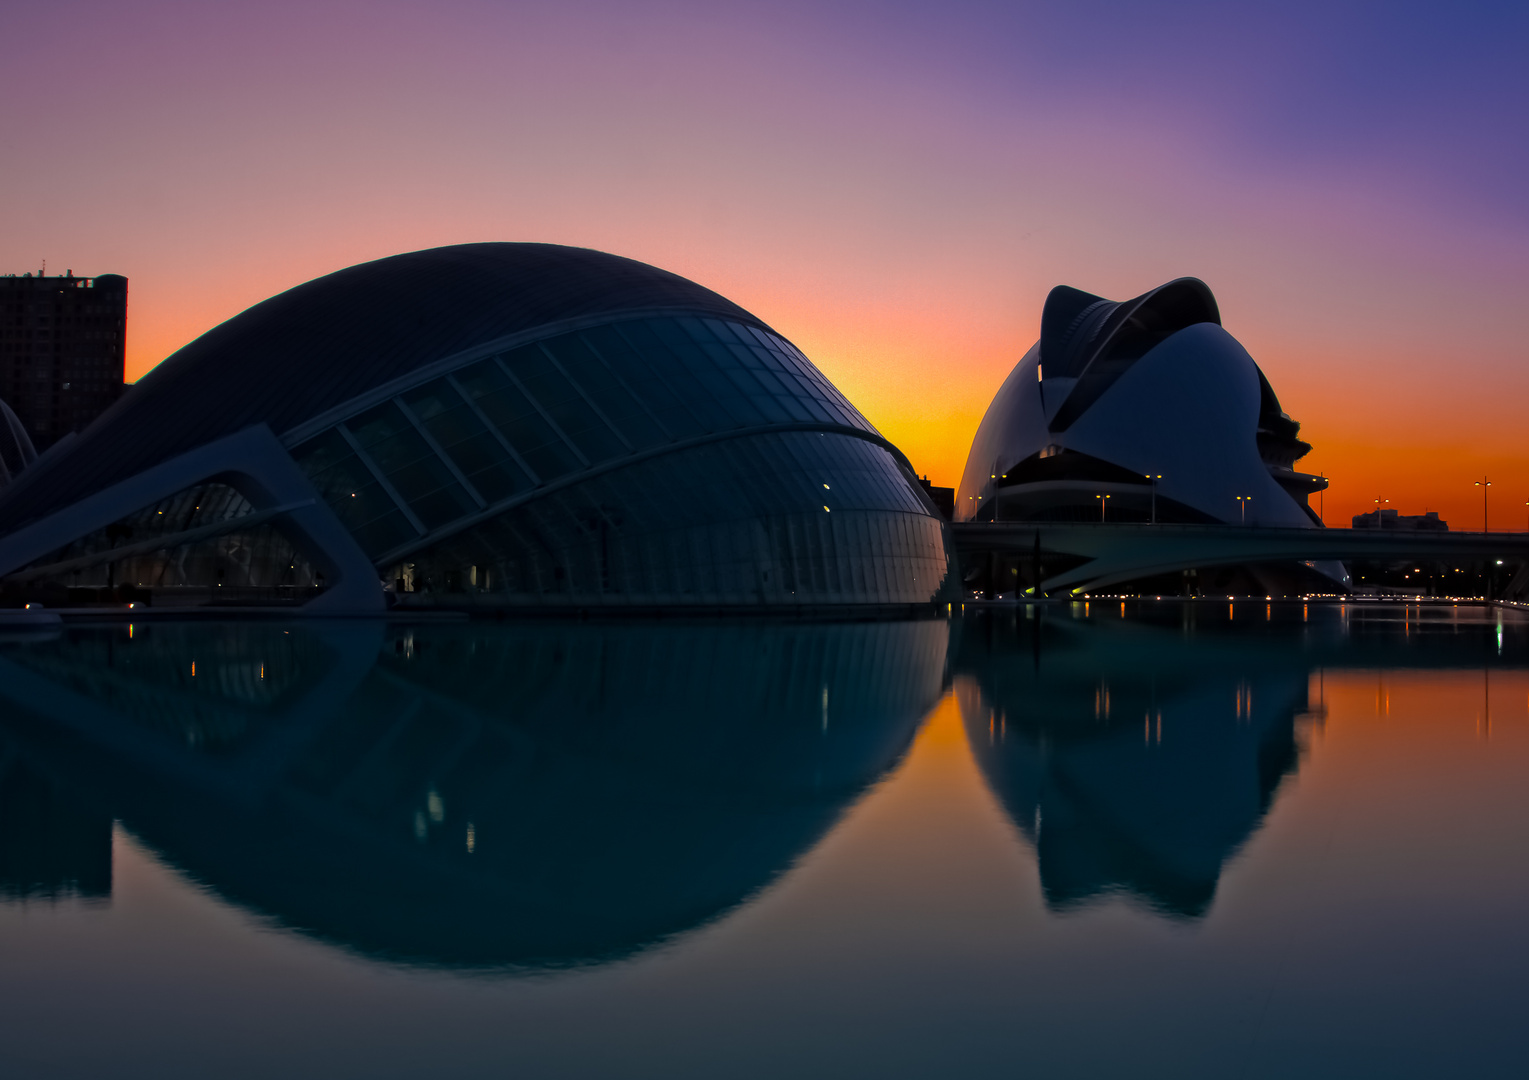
x=1386, y=752
x=936, y=799
x=915, y=933
x=1399, y=755
x=1427, y=712
x=1400, y=759
x=930, y=837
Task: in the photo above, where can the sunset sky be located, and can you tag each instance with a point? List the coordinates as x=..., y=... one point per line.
x=893, y=186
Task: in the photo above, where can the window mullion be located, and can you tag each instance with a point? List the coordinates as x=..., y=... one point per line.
x=493, y=430
x=680, y=401
x=440, y=452
x=559, y=432
x=580, y=391
x=641, y=404
x=382, y=481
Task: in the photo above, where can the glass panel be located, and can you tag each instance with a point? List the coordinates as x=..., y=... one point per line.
x=522, y=426
x=424, y=480
x=563, y=402
x=649, y=375
x=352, y=492
x=821, y=389
x=614, y=400
x=734, y=522
x=719, y=330
x=454, y=425
x=639, y=377
x=764, y=406
x=770, y=381
x=705, y=370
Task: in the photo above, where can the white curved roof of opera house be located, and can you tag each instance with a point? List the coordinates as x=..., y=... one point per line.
x=1116, y=393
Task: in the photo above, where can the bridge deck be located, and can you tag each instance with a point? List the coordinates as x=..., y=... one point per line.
x=1122, y=552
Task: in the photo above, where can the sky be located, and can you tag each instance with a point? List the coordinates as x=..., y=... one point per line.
x=893, y=186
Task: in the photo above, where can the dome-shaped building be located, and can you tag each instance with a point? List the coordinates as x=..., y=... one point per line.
x=485, y=424
x=1137, y=411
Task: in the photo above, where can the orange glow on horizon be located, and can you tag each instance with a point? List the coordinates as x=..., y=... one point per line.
x=926, y=384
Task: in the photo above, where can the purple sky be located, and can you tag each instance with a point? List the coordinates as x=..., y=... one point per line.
x=893, y=186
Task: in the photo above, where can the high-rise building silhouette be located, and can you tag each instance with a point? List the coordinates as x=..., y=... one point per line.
x=62, y=343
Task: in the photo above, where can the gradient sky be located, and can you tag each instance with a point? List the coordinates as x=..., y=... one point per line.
x=893, y=186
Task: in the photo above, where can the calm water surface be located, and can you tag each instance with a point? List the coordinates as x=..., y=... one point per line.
x=1206, y=840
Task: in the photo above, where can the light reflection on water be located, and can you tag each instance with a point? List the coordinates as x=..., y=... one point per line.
x=1174, y=840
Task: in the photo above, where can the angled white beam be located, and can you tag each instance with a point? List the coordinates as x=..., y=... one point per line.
x=252, y=462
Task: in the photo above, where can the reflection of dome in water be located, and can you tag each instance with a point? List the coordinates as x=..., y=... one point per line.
x=1136, y=762
x=484, y=798
x=484, y=425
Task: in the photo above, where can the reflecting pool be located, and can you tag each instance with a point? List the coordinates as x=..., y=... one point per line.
x=1158, y=840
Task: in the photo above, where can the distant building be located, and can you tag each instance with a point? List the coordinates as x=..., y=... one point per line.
x=1137, y=412
x=1386, y=518
x=62, y=345
x=944, y=498
x=1149, y=404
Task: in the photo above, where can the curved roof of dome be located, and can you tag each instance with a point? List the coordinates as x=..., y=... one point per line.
x=313, y=347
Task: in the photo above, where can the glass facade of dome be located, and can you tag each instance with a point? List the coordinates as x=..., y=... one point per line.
x=590, y=433
x=650, y=461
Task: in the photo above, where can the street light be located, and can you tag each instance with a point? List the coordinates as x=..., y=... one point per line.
x=1483, y=484
x=1155, y=479
x=1243, y=501
x=1102, y=505
x=1378, y=502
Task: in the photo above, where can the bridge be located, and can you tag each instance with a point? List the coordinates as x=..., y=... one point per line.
x=1113, y=553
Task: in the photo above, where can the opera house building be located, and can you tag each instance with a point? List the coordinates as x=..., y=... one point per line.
x=495, y=425
x=1137, y=411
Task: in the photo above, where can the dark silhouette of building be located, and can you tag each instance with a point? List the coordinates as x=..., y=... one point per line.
x=1387, y=518
x=62, y=345
x=944, y=498
x=484, y=426
x=1136, y=759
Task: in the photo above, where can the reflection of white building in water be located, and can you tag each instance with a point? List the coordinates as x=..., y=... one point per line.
x=1148, y=407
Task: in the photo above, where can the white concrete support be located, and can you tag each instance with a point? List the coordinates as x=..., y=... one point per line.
x=252, y=462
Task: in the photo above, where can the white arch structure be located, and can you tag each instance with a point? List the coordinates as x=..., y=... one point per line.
x=252, y=462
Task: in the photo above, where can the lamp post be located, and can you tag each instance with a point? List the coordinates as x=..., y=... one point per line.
x=1155, y=479
x=1483, y=484
x=1322, y=500
x=1102, y=503
x=1243, y=501
x=1378, y=515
